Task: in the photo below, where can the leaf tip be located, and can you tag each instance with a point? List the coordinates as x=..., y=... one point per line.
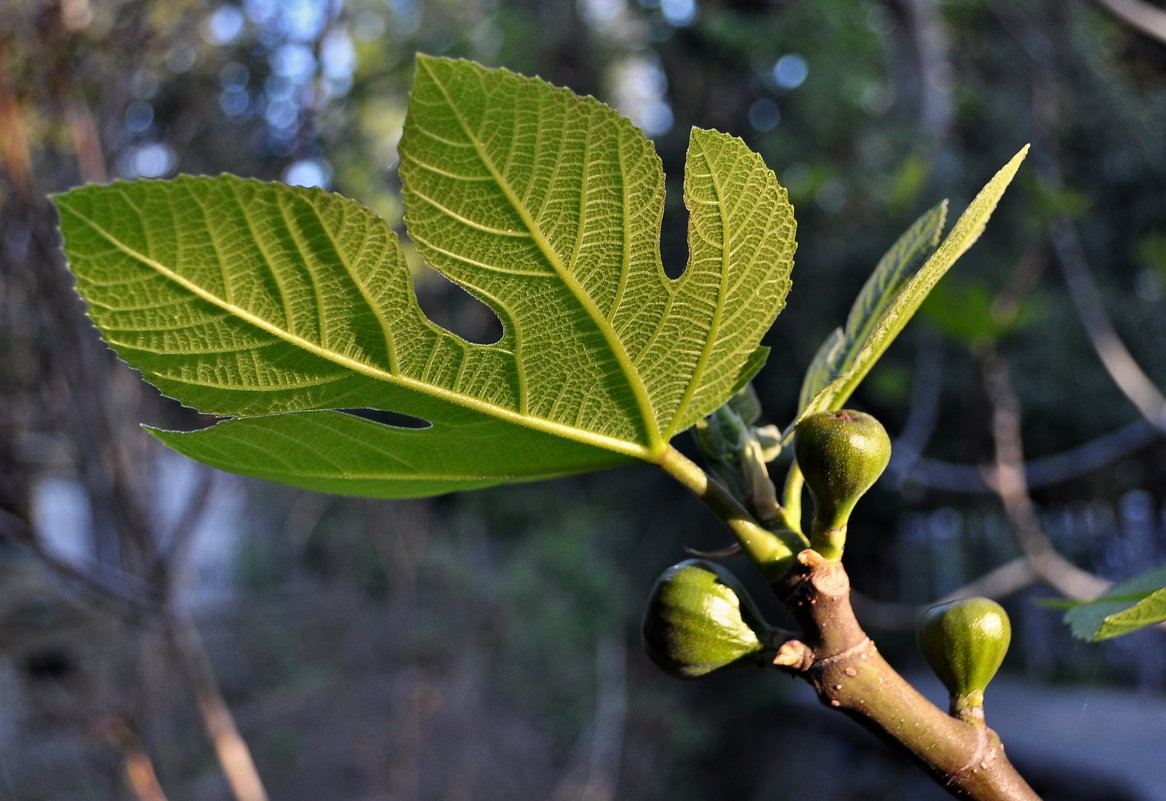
x=1014, y=163
x=426, y=60
x=1079, y=625
x=702, y=136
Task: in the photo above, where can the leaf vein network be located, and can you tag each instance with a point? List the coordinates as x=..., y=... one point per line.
x=631, y=376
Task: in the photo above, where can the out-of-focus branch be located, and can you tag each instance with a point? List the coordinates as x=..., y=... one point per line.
x=73, y=384
x=930, y=41
x=596, y=775
x=14, y=150
x=1042, y=555
x=56, y=40
x=1040, y=46
x=1041, y=472
x=139, y=768
x=1139, y=15
x=172, y=554
x=1115, y=357
x=1000, y=582
x=1006, y=477
x=105, y=585
x=233, y=753
x=1009, y=483
x=923, y=410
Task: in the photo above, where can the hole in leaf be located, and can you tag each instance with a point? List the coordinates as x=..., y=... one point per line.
x=674, y=239
x=384, y=417
x=456, y=310
x=49, y=664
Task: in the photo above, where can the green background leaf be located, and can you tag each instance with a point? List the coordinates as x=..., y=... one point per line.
x=278, y=306
x=1128, y=606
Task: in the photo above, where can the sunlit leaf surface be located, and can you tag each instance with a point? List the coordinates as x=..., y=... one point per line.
x=284, y=308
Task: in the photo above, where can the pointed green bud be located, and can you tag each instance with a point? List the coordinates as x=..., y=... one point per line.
x=964, y=642
x=841, y=454
x=699, y=620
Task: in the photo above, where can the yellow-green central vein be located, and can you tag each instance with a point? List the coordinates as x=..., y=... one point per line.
x=656, y=444
x=632, y=449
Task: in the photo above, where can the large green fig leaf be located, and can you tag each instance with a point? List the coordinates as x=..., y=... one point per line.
x=284, y=309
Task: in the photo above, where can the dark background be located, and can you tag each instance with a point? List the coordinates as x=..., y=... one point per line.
x=486, y=646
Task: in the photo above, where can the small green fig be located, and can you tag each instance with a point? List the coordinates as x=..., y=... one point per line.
x=964, y=642
x=699, y=619
x=841, y=454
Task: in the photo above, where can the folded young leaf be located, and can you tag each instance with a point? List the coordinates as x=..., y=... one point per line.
x=278, y=306
x=824, y=367
x=882, y=315
x=897, y=266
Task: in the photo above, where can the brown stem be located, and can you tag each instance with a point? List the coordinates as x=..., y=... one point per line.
x=233, y=753
x=842, y=664
x=1139, y=15
x=1009, y=483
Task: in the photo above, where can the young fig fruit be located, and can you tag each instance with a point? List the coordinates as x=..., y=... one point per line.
x=964, y=642
x=841, y=454
x=700, y=620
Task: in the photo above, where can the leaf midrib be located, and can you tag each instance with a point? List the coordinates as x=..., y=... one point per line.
x=534, y=422
x=657, y=444
x=932, y=239
x=405, y=471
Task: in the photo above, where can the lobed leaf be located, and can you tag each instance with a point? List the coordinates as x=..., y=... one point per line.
x=282, y=307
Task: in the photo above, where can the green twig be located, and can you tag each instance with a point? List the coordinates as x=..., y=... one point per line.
x=772, y=551
x=791, y=502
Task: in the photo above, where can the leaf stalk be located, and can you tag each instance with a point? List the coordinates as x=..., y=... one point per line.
x=772, y=551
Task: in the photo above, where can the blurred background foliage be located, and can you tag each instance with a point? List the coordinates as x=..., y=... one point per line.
x=486, y=646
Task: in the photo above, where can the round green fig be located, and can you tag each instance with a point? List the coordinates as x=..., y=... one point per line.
x=699, y=619
x=841, y=454
x=964, y=642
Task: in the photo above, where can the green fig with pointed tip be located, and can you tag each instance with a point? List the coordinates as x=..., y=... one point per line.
x=965, y=642
x=700, y=620
x=841, y=454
